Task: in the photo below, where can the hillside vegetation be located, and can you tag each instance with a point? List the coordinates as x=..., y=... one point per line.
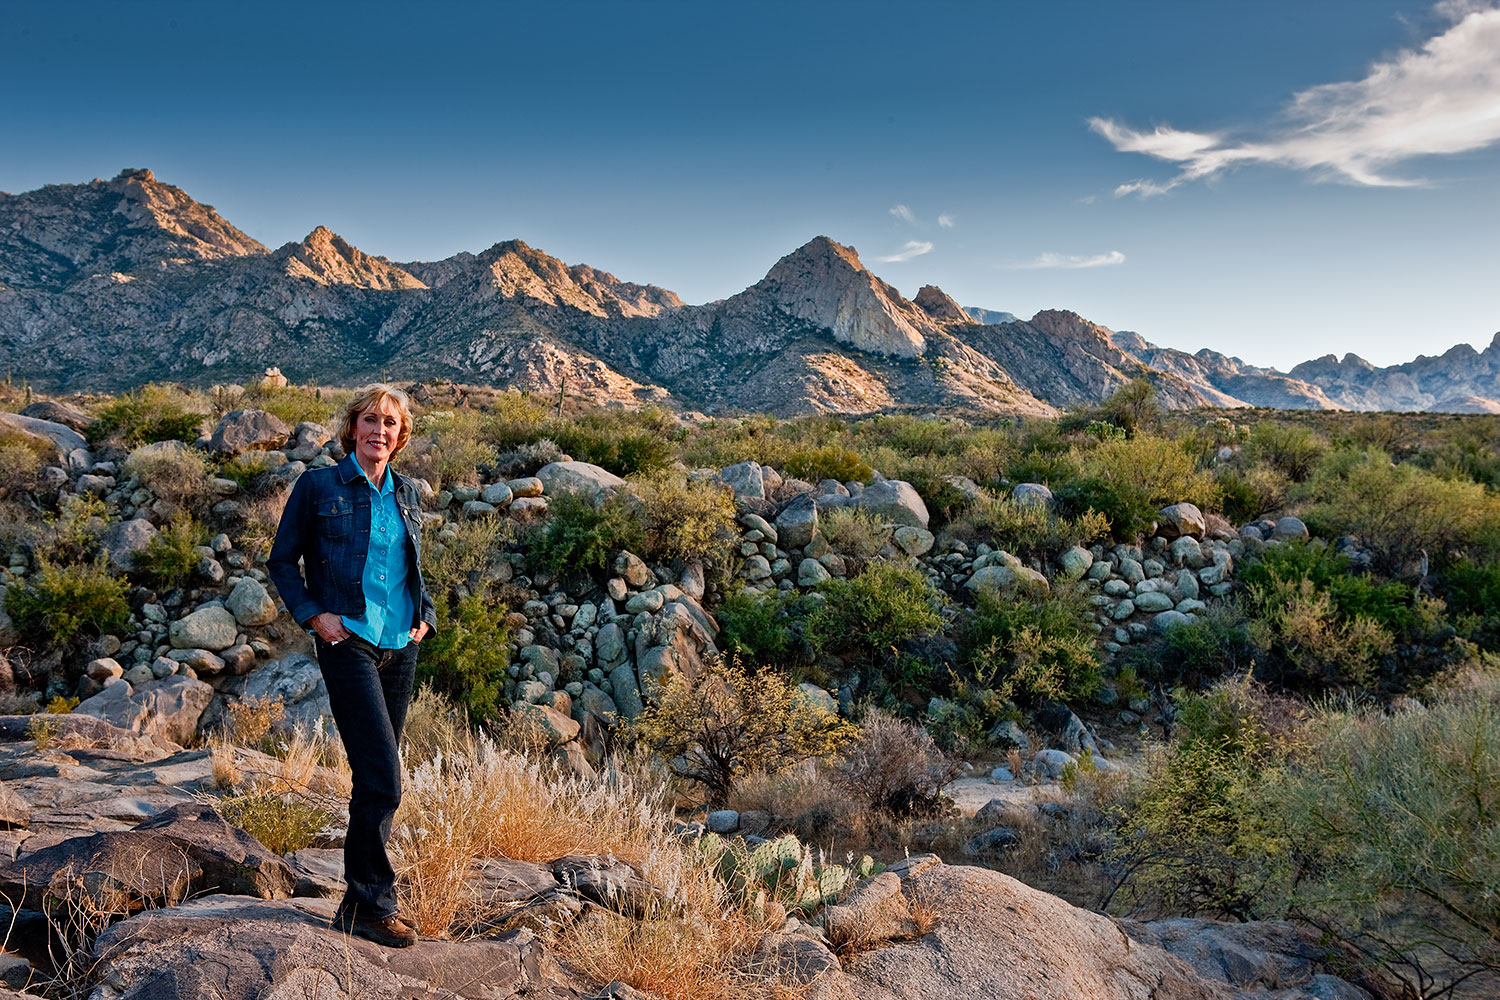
x=1226, y=665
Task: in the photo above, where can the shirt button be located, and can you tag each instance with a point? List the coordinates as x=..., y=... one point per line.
x=382, y=576
x=382, y=527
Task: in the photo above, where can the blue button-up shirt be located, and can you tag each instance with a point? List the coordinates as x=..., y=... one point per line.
x=388, y=609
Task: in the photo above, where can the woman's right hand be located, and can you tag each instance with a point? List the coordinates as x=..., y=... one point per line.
x=330, y=627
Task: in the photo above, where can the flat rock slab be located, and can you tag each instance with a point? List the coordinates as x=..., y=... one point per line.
x=238, y=948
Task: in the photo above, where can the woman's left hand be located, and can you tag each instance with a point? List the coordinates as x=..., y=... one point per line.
x=420, y=632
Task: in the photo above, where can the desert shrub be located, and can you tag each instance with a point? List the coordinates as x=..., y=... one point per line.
x=526, y=459
x=1145, y=473
x=75, y=533
x=449, y=446
x=827, y=462
x=465, y=659
x=1217, y=643
x=895, y=766
x=435, y=727
x=579, y=534
x=1204, y=834
x=728, y=721
x=867, y=615
x=64, y=606
x=1396, y=607
x=1311, y=643
x=178, y=475
x=1131, y=408
x=1028, y=529
x=759, y=627
x=21, y=459
x=624, y=442
x=681, y=519
x=1402, y=512
x=853, y=531
x=170, y=557
x=151, y=413
x=1398, y=814
x=1472, y=592
x=1250, y=494
x=1029, y=648
x=1289, y=449
x=295, y=404
x=469, y=556
x=282, y=822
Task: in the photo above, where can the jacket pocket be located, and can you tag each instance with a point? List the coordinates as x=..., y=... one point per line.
x=335, y=518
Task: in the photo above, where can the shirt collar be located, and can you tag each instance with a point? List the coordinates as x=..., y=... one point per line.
x=389, y=486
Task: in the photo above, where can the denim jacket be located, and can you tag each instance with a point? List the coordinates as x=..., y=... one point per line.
x=326, y=524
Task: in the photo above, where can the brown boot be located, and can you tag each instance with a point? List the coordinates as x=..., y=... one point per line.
x=391, y=931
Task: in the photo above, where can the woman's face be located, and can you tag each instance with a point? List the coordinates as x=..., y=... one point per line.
x=376, y=431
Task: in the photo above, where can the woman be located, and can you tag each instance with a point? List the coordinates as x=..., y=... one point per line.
x=356, y=527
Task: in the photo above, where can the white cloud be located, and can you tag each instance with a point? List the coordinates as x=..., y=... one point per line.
x=1441, y=99
x=904, y=214
x=913, y=248
x=1087, y=199
x=946, y=221
x=1071, y=261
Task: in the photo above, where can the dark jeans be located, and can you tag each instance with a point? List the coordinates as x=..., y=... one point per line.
x=369, y=690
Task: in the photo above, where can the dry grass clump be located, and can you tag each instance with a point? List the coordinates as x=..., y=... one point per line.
x=283, y=792
x=173, y=472
x=895, y=766
x=852, y=531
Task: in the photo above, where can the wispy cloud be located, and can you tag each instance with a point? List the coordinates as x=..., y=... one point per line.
x=946, y=221
x=913, y=248
x=903, y=213
x=1441, y=99
x=1071, y=261
x=1087, y=199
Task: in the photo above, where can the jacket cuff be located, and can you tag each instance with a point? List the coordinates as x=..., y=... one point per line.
x=306, y=612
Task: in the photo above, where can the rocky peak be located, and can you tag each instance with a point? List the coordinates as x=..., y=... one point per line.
x=824, y=284
x=940, y=306
x=1064, y=324
x=325, y=257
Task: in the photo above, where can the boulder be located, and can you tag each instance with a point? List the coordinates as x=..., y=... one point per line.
x=627, y=692
x=64, y=439
x=894, y=502
x=913, y=541
x=250, y=604
x=173, y=707
x=556, y=727
x=996, y=938
x=810, y=573
x=990, y=842
x=1075, y=562
x=797, y=522
x=747, y=479
x=59, y=413
x=248, y=430
x=114, y=706
x=632, y=569
x=1003, y=576
x=576, y=477
x=14, y=810
x=230, y=859
x=1289, y=529
x=127, y=539
x=1050, y=763
x=874, y=912
x=212, y=628
x=496, y=494
x=297, y=683
x=1031, y=493
x=525, y=487
x=1181, y=519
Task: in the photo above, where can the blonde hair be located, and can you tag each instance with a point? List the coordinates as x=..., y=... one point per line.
x=374, y=395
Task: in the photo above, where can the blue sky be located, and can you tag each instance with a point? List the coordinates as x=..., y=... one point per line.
x=1149, y=165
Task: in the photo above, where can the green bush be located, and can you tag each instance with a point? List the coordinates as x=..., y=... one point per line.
x=854, y=531
x=466, y=658
x=65, y=606
x=468, y=557
x=151, y=413
x=579, y=536
x=758, y=627
x=715, y=728
x=1133, y=407
x=1251, y=494
x=1205, y=833
x=169, y=559
x=1290, y=450
x=866, y=616
x=623, y=441
x=448, y=447
x=685, y=520
x=294, y=404
x=1395, y=607
x=179, y=476
x=1472, y=591
x=20, y=463
x=1216, y=644
x=1030, y=648
x=827, y=462
x=1403, y=513
x=1029, y=529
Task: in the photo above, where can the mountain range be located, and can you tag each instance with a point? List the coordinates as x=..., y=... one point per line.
x=109, y=284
